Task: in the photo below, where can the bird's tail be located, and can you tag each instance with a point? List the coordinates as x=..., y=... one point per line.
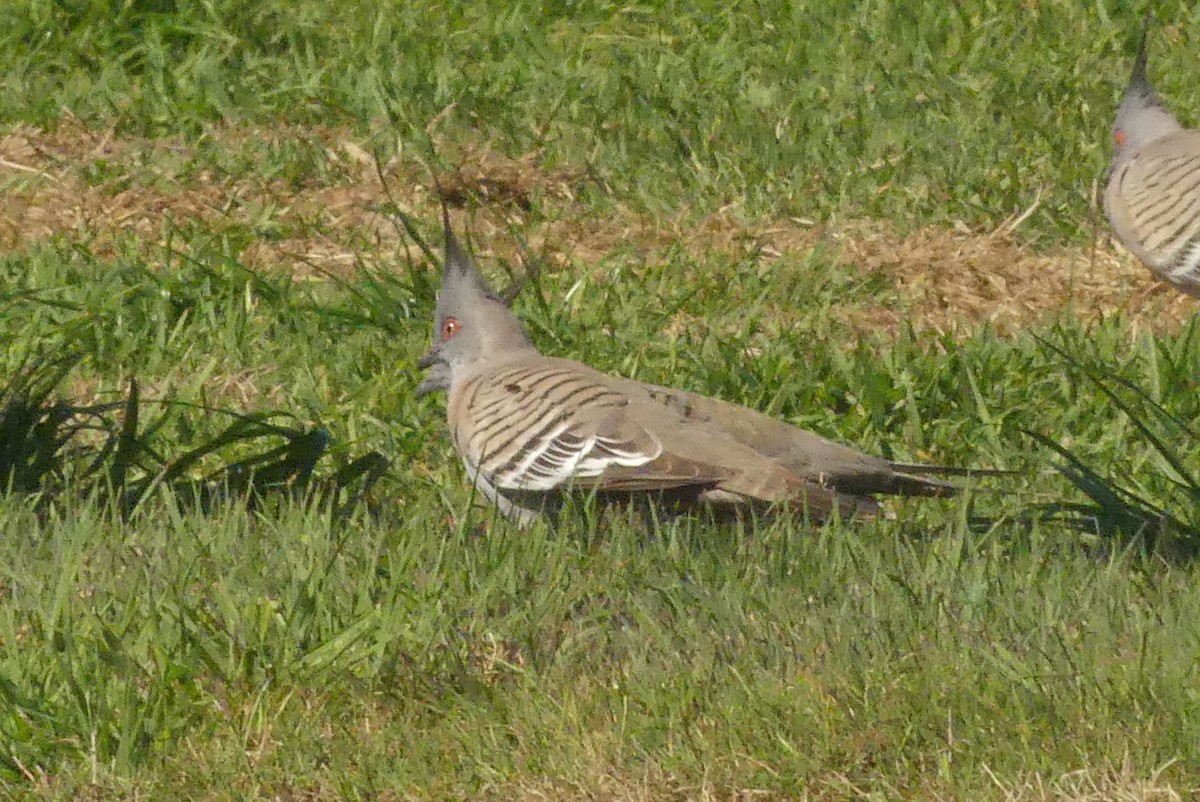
x=917, y=479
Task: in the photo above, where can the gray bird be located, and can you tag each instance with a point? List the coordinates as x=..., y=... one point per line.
x=1153, y=190
x=531, y=429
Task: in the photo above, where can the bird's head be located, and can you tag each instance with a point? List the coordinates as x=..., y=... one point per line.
x=1142, y=117
x=472, y=325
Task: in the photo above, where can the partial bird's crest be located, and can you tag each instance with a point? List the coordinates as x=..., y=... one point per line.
x=1142, y=117
x=1137, y=78
x=1152, y=192
x=472, y=324
x=459, y=273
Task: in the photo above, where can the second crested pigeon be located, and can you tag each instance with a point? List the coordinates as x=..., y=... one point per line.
x=531, y=429
x=1153, y=188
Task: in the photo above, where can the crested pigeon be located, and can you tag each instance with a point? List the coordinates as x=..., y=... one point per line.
x=1153, y=187
x=531, y=429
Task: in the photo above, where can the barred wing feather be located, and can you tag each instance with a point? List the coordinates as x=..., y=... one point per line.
x=1153, y=201
x=551, y=426
x=565, y=458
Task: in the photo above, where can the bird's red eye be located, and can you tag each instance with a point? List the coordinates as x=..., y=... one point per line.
x=1119, y=137
x=450, y=328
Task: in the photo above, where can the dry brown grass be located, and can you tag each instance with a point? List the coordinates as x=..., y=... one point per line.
x=655, y=785
x=944, y=280
x=1115, y=784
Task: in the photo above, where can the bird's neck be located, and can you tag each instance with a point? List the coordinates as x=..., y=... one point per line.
x=493, y=358
x=1155, y=122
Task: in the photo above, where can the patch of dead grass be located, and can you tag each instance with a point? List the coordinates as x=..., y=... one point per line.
x=45, y=188
x=1114, y=784
x=954, y=277
x=656, y=785
x=944, y=280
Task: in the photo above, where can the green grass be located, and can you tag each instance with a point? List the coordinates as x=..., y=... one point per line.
x=417, y=647
x=919, y=113
x=430, y=650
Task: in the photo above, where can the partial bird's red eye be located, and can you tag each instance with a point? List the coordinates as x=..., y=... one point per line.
x=1119, y=137
x=450, y=328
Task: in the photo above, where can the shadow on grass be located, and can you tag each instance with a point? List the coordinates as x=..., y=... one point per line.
x=1163, y=518
x=48, y=445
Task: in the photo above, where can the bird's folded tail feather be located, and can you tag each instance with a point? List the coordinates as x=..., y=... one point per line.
x=917, y=479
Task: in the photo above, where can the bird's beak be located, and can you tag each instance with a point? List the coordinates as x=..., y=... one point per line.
x=428, y=385
x=437, y=378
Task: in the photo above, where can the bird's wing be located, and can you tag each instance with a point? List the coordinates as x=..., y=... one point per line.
x=550, y=424
x=553, y=424
x=797, y=450
x=1153, y=202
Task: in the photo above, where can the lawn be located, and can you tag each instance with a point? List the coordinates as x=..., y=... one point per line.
x=219, y=234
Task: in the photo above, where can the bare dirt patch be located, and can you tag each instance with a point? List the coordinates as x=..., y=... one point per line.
x=98, y=187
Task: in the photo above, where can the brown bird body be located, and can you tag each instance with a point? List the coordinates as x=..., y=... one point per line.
x=532, y=429
x=538, y=425
x=1152, y=194
x=802, y=452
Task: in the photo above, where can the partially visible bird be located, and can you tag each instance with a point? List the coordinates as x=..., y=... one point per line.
x=1153, y=188
x=531, y=429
